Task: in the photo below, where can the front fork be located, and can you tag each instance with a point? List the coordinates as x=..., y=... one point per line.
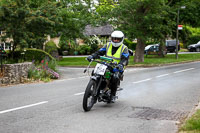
x=98, y=80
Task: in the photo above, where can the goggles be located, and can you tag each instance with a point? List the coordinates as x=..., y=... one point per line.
x=115, y=39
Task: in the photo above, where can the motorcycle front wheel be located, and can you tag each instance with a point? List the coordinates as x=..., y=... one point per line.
x=89, y=98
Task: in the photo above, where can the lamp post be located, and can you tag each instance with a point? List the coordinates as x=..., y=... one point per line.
x=177, y=23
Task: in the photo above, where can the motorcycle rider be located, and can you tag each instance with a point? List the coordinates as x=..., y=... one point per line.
x=120, y=54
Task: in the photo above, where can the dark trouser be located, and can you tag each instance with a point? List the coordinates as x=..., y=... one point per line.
x=115, y=82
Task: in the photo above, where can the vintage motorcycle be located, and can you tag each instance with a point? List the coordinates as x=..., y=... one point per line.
x=98, y=88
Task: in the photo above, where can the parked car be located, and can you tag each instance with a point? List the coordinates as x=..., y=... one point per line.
x=151, y=48
x=171, y=45
x=194, y=47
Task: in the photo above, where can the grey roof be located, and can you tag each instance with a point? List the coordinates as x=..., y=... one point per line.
x=100, y=30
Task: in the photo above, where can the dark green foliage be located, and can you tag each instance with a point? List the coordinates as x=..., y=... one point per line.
x=28, y=24
x=143, y=20
x=63, y=46
x=84, y=49
x=37, y=55
x=17, y=56
x=51, y=48
x=94, y=48
x=75, y=16
x=190, y=15
x=130, y=44
x=184, y=35
x=193, y=39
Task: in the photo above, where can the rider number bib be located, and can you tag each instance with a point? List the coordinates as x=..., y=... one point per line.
x=100, y=69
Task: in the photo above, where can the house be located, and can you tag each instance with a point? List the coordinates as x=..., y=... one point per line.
x=102, y=31
x=7, y=44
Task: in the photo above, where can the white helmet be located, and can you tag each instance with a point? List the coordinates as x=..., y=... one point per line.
x=117, y=35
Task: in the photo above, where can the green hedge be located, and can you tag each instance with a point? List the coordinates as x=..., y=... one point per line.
x=84, y=49
x=37, y=55
x=193, y=39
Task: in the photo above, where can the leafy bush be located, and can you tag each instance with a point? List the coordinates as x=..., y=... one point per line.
x=64, y=49
x=67, y=47
x=37, y=55
x=52, y=49
x=193, y=35
x=95, y=42
x=50, y=46
x=130, y=44
x=94, y=48
x=84, y=49
x=16, y=57
x=193, y=39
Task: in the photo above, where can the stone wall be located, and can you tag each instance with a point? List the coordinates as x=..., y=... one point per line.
x=15, y=73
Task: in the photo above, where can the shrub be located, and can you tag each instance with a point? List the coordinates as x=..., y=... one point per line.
x=193, y=39
x=67, y=47
x=130, y=44
x=84, y=49
x=64, y=49
x=37, y=55
x=16, y=57
x=51, y=48
x=94, y=48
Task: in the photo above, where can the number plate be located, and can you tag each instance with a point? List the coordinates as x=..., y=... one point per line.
x=100, y=69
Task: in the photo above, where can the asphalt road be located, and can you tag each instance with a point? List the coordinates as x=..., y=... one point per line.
x=154, y=100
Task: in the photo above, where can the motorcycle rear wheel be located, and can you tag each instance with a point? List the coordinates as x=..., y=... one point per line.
x=89, y=98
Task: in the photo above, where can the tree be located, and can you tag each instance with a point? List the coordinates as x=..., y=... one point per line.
x=28, y=24
x=75, y=15
x=141, y=19
x=190, y=15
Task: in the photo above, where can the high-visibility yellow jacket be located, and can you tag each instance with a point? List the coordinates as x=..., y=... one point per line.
x=117, y=56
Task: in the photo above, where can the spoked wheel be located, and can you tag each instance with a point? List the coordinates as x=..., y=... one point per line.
x=89, y=99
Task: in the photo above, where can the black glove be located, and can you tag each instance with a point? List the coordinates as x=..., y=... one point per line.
x=120, y=67
x=90, y=57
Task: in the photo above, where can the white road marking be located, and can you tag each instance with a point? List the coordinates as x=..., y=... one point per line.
x=162, y=75
x=184, y=70
x=22, y=107
x=77, y=94
x=142, y=80
x=134, y=69
x=84, y=77
x=61, y=80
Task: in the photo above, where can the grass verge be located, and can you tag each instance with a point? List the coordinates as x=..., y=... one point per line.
x=151, y=60
x=192, y=125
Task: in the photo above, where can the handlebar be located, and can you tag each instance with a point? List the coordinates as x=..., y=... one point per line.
x=106, y=58
x=108, y=62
